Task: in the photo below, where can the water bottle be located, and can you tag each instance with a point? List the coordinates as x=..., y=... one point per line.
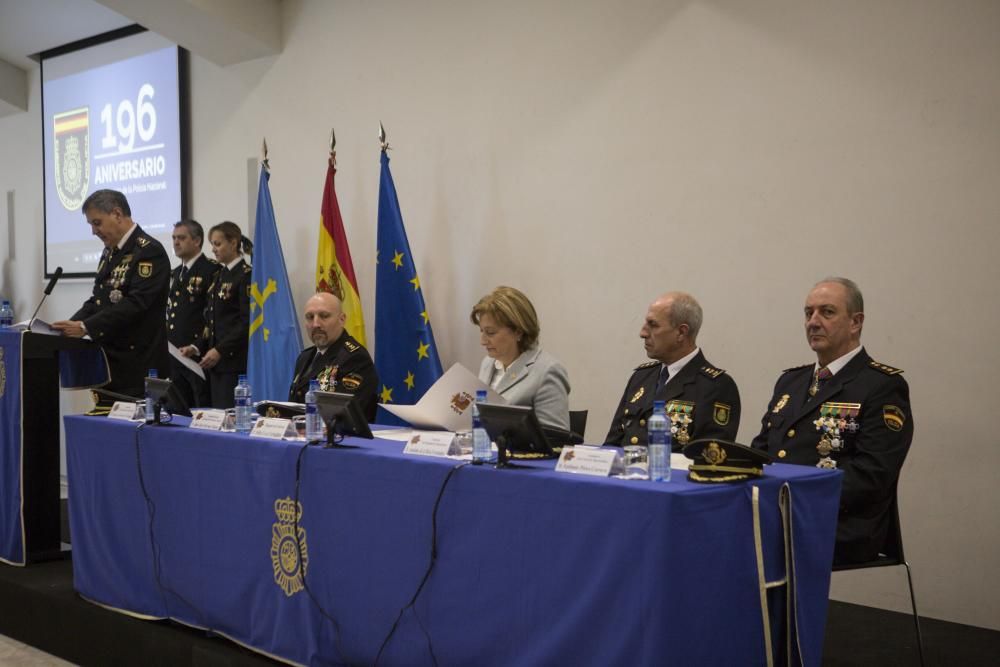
x=6, y=315
x=658, y=431
x=481, y=450
x=150, y=401
x=314, y=421
x=244, y=404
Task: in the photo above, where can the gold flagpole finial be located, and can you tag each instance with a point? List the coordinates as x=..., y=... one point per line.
x=264, y=153
x=381, y=137
x=333, y=147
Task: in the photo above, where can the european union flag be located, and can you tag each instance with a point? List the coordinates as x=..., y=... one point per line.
x=275, y=341
x=406, y=357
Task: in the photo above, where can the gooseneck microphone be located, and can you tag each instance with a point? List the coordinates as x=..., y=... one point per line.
x=48, y=290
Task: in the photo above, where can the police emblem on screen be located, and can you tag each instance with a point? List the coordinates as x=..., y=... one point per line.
x=289, y=569
x=71, y=136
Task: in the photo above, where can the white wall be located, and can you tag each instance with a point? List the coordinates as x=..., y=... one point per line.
x=596, y=154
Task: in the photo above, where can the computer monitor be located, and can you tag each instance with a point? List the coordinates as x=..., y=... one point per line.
x=514, y=428
x=342, y=416
x=165, y=395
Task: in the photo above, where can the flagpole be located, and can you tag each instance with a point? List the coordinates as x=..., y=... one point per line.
x=381, y=137
x=263, y=161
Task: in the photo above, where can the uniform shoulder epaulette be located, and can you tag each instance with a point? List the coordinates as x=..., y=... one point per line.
x=247, y=268
x=647, y=364
x=798, y=368
x=888, y=370
x=141, y=241
x=351, y=346
x=712, y=371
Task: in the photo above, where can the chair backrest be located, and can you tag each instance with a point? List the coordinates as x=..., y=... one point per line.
x=891, y=551
x=578, y=422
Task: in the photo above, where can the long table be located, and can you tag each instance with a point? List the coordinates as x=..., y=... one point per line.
x=532, y=567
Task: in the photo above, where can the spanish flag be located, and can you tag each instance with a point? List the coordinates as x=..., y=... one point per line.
x=334, y=268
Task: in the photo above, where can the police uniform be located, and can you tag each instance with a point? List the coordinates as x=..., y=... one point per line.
x=124, y=314
x=344, y=367
x=859, y=421
x=702, y=402
x=227, y=329
x=186, y=323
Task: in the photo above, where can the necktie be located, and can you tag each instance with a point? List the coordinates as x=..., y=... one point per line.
x=820, y=376
x=664, y=376
x=184, y=273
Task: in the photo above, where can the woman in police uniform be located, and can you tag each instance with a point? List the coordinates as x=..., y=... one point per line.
x=223, y=348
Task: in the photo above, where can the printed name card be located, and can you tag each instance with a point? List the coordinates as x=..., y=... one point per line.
x=127, y=411
x=208, y=420
x=271, y=427
x=432, y=443
x=586, y=460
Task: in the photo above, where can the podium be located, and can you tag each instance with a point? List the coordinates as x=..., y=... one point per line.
x=29, y=437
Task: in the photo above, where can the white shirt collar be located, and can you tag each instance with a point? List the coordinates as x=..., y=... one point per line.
x=125, y=237
x=675, y=368
x=232, y=264
x=840, y=362
x=190, y=263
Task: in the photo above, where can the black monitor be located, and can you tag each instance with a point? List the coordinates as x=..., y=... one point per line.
x=514, y=428
x=342, y=416
x=165, y=395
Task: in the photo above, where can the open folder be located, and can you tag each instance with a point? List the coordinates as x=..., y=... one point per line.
x=447, y=405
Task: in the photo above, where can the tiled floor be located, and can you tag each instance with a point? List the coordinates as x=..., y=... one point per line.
x=15, y=654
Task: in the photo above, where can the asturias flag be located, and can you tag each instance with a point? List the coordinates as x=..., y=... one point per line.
x=334, y=268
x=275, y=341
x=405, y=354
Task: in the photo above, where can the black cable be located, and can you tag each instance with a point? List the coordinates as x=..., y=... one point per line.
x=154, y=547
x=298, y=549
x=427, y=575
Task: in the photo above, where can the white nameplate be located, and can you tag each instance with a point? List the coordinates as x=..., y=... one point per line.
x=432, y=443
x=584, y=460
x=127, y=411
x=271, y=427
x=208, y=420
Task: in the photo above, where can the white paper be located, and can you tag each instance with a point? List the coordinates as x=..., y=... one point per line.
x=126, y=411
x=679, y=461
x=447, y=405
x=431, y=443
x=584, y=460
x=38, y=326
x=189, y=363
x=208, y=420
x=271, y=427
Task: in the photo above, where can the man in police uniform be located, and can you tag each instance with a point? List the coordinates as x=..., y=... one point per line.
x=702, y=401
x=844, y=411
x=189, y=284
x=125, y=312
x=337, y=360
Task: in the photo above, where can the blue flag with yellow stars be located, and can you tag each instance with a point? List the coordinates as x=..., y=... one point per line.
x=275, y=341
x=406, y=357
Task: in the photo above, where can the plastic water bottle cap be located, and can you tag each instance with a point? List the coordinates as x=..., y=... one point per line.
x=480, y=395
x=152, y=373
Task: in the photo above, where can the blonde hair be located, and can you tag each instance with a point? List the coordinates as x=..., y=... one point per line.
x=510, y=308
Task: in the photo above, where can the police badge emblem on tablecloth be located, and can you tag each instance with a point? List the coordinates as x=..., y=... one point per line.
x=289, y=569
x=71, y=141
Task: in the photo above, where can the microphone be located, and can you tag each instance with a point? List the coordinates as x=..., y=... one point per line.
x=48, y=290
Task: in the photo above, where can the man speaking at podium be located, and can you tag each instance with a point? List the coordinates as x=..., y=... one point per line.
x=125, y=313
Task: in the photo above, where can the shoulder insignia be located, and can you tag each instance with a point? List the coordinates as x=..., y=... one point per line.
x=797, y=368
x=711, y=371
x=648, y=364
x=247, y=268
x=351, y=346
x=141, y=241
x=145, y=269
x=888, y=370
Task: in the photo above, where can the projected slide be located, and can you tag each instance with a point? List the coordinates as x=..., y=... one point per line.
x=115, y=126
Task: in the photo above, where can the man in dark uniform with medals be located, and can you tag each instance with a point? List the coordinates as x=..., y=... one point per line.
x=844, y=411
x=189, y=284
x=124, y=314
x=337, y=360
x=702, y=401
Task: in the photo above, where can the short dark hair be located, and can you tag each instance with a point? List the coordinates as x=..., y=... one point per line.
x=193, y=227
x=106, y=201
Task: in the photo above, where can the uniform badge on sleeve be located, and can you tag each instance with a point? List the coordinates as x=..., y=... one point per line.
x=893, y=417
x=720, y=413
x=145, y=269
x=638, y=394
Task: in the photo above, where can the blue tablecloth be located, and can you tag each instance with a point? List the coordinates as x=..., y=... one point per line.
x=533, y=567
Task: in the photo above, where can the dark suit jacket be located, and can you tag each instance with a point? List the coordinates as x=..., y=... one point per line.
x=713, y=392
x=871, y=457
x=187, y=301
x=345, y=367
x=124, y=314
x=227, y=318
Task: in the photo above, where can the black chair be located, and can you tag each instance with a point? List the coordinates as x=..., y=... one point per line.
x=578, y=423
x=891, y=554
